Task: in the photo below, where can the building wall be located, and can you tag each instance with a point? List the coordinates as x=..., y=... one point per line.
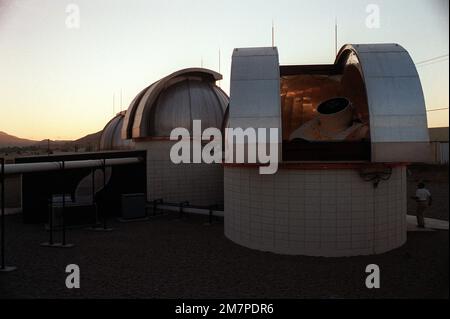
x=315, y=212
x=200, y=184
x=439, y=152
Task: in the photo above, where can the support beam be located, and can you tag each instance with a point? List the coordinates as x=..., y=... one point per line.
x=3, y=267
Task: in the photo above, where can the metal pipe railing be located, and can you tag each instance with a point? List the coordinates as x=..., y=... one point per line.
x=104, y=163
x=51, y=242
x=184, y=207
x=54, y=166
x=3, y=267
x=63, y=220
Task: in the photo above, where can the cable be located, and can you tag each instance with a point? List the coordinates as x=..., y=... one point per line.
x=440, y=109
x=436, y=59
x=376, y=176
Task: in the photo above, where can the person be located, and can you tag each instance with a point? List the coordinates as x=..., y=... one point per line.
x=423, y=199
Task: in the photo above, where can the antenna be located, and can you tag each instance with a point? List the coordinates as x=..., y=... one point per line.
x=219, y=67
x=273, y=34
x=120, y=99
x=201, y=62
x=335, y=36
x=219, y=60
x=114, y=104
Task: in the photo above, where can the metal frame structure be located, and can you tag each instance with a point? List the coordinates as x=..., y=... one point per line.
x=3, y=266
x=64, y=163
x=104, y=226
x=63, y=243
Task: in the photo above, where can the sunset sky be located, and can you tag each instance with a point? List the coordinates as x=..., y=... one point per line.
x=58, y=82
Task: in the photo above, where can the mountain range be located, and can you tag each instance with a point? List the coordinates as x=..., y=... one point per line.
x=7, y=140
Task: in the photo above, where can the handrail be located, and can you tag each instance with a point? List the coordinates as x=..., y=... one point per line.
x=3, y=267
x=187, y=208
x=53, y=166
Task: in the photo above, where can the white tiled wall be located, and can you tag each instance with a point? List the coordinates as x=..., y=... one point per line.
x=317, y=213
x=200, y=184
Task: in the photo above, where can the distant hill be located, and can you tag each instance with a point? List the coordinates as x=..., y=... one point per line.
x=7, y=140
x=53, y=144
x=90, y=140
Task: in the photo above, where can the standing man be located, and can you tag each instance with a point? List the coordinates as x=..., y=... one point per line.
x=423, y=199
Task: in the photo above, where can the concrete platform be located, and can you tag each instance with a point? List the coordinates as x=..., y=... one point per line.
x=431, y=224
x=165, y=257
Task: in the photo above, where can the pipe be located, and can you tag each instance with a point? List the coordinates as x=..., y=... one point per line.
x=53, y=166
x=3, y=267
x=192, y=210
x=2, y=221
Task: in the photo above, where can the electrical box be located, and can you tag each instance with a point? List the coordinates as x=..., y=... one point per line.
x=133, y=206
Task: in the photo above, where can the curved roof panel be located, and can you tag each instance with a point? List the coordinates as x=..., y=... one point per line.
x=174, y=101
x=111, y=137
x=398, y=121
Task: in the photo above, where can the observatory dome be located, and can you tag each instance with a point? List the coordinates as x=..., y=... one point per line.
x=175, y=101
x=346, y=133
x=111, y=138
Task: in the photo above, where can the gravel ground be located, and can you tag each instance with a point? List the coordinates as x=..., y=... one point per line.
x=170, y=258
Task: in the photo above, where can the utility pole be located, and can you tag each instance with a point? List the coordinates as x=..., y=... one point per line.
x=219, y=67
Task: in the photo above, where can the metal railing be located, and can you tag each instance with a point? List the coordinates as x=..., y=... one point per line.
x=102, y=165
x=185, y=207
x=3, y=267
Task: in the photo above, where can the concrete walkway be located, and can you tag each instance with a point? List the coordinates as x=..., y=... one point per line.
x=431, y=224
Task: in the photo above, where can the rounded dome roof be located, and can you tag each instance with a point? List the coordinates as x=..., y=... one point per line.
x=111, y=138
x=175, y=101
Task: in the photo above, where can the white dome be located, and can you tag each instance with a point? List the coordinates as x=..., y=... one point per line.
x=175, y=101
x=111, y=138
